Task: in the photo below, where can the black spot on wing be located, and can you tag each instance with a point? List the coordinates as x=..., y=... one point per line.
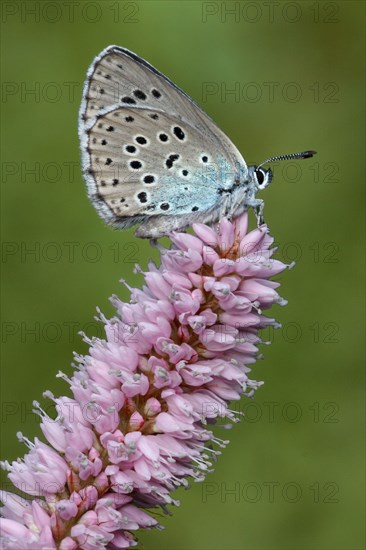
x=178, y=132
x=139, y=94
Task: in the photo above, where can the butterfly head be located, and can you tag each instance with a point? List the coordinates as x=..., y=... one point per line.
x=264, y=177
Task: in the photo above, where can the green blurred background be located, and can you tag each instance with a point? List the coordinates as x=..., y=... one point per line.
x=292, y=477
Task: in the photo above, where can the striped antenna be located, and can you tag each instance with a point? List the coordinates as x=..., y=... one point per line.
x=303, y=155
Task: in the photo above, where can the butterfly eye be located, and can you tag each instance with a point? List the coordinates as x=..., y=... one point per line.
x=260, y=175
x=264, y=177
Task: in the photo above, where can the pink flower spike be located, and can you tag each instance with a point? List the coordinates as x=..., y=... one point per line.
x=146, y=396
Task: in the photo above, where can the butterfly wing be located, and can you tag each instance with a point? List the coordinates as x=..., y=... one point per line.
x=147, y=163
x=124, y=92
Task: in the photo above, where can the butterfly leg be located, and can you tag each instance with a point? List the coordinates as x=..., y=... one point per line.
x=258, y=208
x=154, y=243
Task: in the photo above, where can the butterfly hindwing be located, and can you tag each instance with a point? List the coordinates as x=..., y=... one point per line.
x=143, y=162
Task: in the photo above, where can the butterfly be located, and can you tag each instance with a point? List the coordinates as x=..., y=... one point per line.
x=152, y=156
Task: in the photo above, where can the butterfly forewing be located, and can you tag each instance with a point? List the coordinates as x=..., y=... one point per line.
x=120, y=77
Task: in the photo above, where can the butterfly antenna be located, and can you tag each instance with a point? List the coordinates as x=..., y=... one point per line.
x=303, y=155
